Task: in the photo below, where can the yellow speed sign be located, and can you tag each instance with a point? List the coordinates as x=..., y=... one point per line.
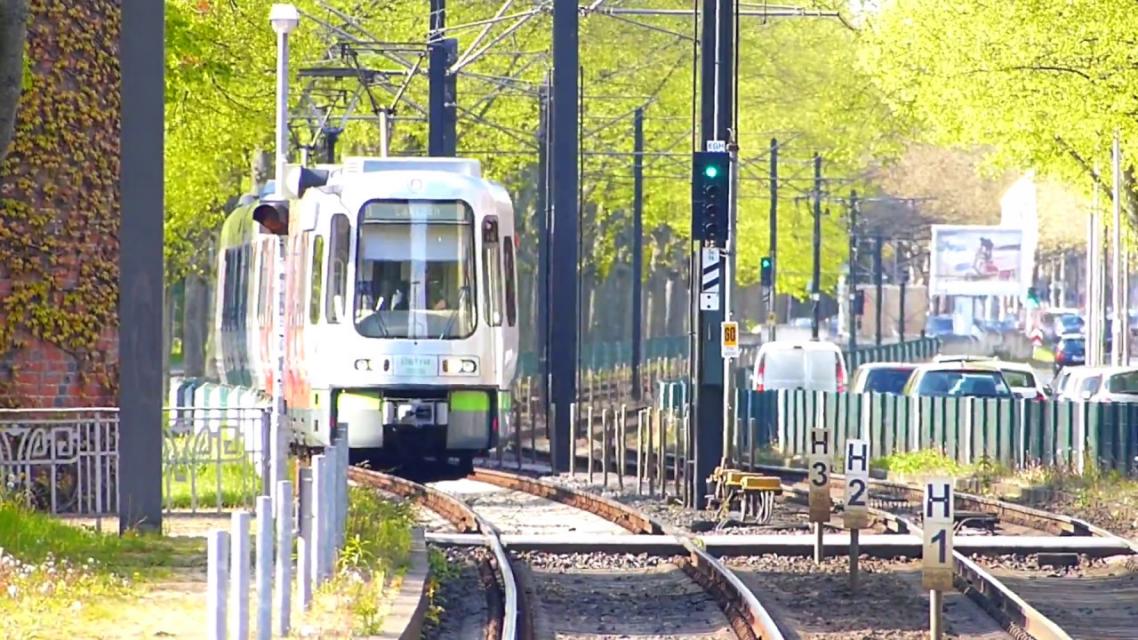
x=729, y=339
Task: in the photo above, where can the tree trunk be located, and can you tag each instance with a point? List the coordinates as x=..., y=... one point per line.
x=195, y=324
x=13, y=28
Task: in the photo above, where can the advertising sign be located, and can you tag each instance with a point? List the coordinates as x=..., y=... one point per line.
x=977, y=261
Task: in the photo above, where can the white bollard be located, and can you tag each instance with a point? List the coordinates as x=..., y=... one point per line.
x=239, y=572
x=264, y=568
x=304, y=544
x=319, y=488
x=342, y=493
x=217, y=578
x=277, y=463
x=284, y=556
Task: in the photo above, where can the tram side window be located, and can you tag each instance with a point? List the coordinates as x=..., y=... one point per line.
x=337, y=292
x=511, y=282
x=492, y=263
x=227, y=288
x=317, y=279
x=242, y=284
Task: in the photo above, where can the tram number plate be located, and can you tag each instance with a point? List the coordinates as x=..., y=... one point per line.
x=416, y=366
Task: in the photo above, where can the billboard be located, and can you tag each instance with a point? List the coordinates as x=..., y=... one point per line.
x=973, y=260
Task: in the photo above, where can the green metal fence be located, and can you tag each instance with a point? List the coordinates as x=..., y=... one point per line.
x=1013, y=432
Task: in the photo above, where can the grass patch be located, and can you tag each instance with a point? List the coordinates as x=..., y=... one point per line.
x=920, y=463
x=237, y=483
x=54, y=575
x=377, y=548
x=441, y=571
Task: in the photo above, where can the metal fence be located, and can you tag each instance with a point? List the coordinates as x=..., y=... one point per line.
x=66, y=461
x=62, y=460
x=1011, y=432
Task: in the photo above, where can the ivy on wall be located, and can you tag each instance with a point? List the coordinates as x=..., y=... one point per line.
x=59, y=212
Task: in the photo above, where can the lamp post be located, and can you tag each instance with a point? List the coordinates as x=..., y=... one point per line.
x=284, y=19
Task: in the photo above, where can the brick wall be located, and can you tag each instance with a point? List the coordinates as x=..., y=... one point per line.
x=59, y=214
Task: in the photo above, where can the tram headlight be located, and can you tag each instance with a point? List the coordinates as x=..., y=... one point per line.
x=458, y=366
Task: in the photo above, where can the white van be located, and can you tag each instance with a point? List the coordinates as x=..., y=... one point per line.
x=794, y=364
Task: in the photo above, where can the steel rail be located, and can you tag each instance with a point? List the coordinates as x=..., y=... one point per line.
x=744, y=612
x=466, y=520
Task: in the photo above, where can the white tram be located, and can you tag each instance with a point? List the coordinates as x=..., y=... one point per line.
x=400, y=304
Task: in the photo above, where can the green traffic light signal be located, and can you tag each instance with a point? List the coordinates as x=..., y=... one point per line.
x=711, y=171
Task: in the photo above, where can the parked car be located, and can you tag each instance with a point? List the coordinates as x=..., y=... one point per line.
x=881, y=377
x=795, y=364
x=1071, y=351
x=1023, y=381
x=939, y=326
x=1118, y=384
x=1077, y=383
x=958, y=379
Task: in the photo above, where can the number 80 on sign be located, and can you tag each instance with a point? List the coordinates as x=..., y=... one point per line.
x=729, y=339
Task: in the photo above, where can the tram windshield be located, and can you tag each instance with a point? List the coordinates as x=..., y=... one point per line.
x=415, y=270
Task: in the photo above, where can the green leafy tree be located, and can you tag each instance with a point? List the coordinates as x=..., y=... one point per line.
x=1042, y=84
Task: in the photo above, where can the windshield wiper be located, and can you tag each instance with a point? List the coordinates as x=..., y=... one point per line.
x=454, y=313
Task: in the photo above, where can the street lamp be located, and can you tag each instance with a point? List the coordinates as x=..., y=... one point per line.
x=284, y=18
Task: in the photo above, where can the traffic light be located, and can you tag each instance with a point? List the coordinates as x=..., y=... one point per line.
x=710, y=187
x=859, y=302
x=766, y=271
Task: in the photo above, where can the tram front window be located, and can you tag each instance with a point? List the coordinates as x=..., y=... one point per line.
x=415, y=270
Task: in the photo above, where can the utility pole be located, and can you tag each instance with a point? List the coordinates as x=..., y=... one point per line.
x=717, y=119
x=545, y=237
x=637, y=243
x=852, y=279
x=816, y=285
x=564, y=254
x=1119, y=316
x=902, y=282
x=772, y=317
x=877, y=246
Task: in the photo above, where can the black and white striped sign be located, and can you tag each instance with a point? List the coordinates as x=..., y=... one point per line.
x=710, y=275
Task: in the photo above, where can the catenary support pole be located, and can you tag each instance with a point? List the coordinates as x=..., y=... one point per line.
x=816, y=277
x=878, y=306
x=1118, y=316
x=852, y=278
x=772, y=295
x=545, y=237
x=705, y=429
x=140, y=292
x=637, y=245
x=563, y=321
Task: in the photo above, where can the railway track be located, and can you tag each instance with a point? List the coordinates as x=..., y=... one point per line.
x=505, y=612
x=1028, y=570
x=684, y=594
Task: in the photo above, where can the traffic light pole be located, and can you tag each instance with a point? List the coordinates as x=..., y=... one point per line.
x=716, y=114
